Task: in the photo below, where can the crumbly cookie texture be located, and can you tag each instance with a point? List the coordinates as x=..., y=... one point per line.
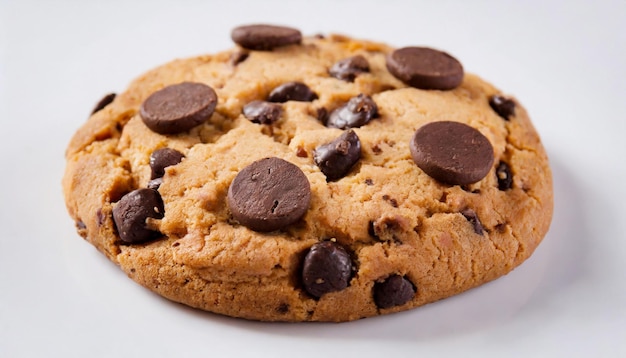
x=375, y=235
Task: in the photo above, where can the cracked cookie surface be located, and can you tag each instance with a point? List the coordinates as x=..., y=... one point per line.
x=382, y=237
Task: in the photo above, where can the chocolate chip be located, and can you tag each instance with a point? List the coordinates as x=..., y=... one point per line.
x=178, y=108
x=504, y=175
x=347, y=69
x=131, y=212
x=163, y=158
x=471, y=216
x=388, y=228
x=376, y=149
x=371, y=230
x=369, y=181
x=80, y=225
x=327, y=268
x=301, y=152
x=262, y=112
x=394, y=291
x=322, y=115
x=265, y=37
x=393, y=202
x=155, y=183
x=105, y=101
x=238, y=57
x=503, y=106
x=269, y=194
x=425, y=68
x=335, y=159
x=357, y=112
x=451, y=152
x=282, y=308
x=100, y=217
x=292, y=91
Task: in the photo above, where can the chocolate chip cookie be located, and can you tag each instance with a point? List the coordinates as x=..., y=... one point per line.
x=321, y=178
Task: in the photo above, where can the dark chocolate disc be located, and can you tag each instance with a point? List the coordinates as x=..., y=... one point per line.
x=451, y=152
x=269, y=194
x=265, y=37
x=425, y=68
x=178, y=108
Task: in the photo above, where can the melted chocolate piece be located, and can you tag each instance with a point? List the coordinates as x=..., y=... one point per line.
x=265, y=37
x=504, y=176
x=425, y=68
x=357, y=112
x=451, y=152
x=327, y=268
x=132, y=211
x=163, y=158
x=322, y=115
x=100, y=217
x=471, y=216
x=335, y=159
x=503, y=106
x=394, y=291
x=178, y=108
x=283, y=308
x=292, y=91
x=262, y=112
x=269, y=194
x=347, y=69
x=238, y=57
x=155, y=183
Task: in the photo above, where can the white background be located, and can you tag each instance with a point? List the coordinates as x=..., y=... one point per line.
x=565, y=61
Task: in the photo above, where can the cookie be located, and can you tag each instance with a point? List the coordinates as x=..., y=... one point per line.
x=321, y=178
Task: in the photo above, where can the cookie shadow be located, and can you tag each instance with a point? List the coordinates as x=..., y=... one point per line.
x=555, y=265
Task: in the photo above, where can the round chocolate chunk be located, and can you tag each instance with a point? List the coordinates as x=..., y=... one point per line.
x=503, y=106
x=347, y=69
x=262, y=112
x=265, y=37
x=327, y=268
x=394, y=291
x=132, y=211
x=105, y=101
x=451, y=152
x=504, y=176
x=163, y=158
x=292, y=91
x=335, y=159
x=425, y=68
x=178, y=108
x=357, y=112
x=269, y=194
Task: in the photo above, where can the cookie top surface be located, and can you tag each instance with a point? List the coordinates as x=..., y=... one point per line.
x=298, y=186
